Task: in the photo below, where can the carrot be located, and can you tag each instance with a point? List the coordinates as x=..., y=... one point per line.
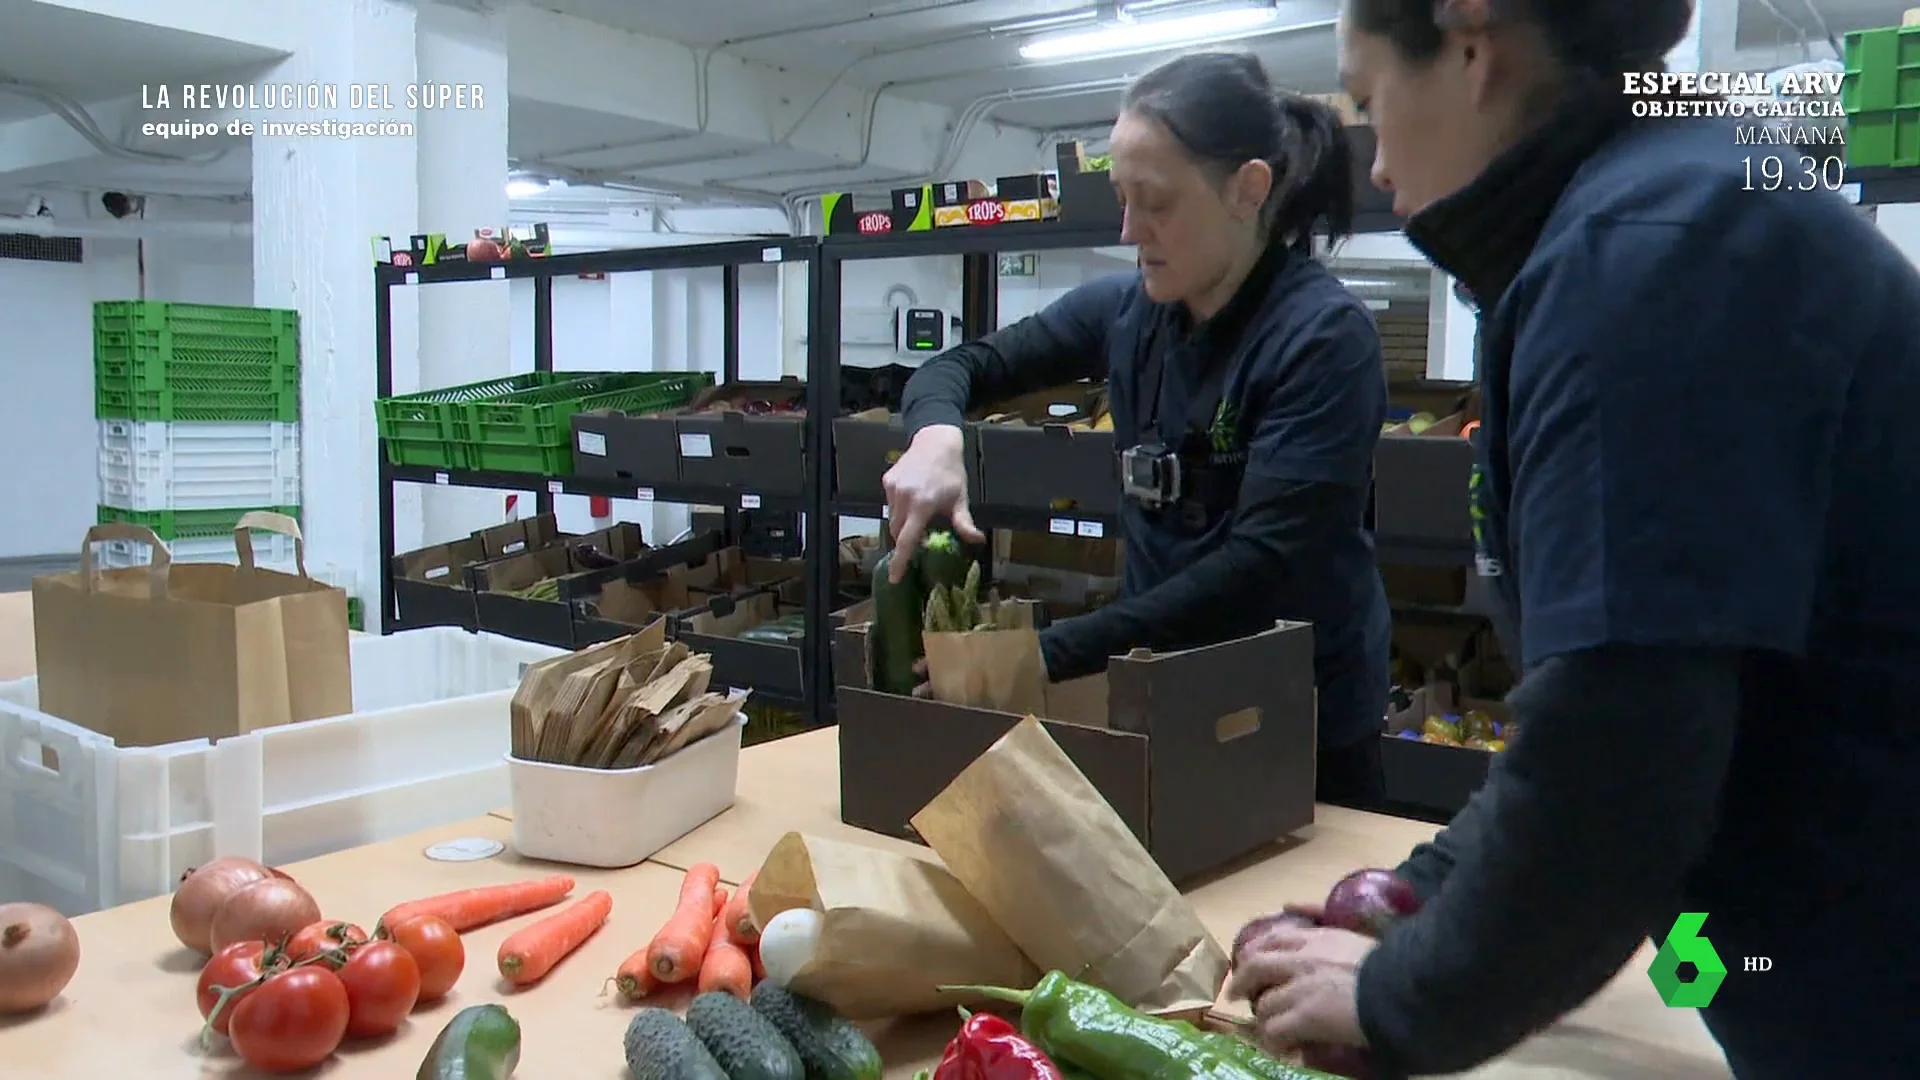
x=634, y=977
x=739, y=921
x=720, y=899
x=727, y=966
x=532, y=951
x=677, y=950
x=469, y=908
x=759, y=967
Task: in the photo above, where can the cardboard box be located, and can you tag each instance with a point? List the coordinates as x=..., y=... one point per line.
x=865, y=446
x=909, y=210
x=724, y=443
x=1086, y=195
x=1027, y=197
x=548, y=622
x=641, y=450
x=1038, y=452
x=772, y=660
x=1207, y=755
x=1432, y=780
x=1420, y=484
x=430, y=585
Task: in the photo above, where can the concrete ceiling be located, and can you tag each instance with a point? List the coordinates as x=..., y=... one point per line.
x=88, y=57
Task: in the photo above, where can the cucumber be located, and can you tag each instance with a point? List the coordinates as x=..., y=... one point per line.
x=659, y=1046
x=895, y=634
x=745, y=1043
x=481, y=1042
x=831, y=1046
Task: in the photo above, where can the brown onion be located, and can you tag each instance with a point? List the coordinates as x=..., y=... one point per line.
x=272, y=911
x=202, y=892
x=39, y=952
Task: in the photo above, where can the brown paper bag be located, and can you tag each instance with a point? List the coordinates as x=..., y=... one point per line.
x=896, y=928
x=1029, y=836
x=996, y=669
x=176, y=651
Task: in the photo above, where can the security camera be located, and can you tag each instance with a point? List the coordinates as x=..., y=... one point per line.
x=119, y=203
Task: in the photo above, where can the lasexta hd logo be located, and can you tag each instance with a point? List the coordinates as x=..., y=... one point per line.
x=1686, y=945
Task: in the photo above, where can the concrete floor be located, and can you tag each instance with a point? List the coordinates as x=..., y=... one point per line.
x=17, y=574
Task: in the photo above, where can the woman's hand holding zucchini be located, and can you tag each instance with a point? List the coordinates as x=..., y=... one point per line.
x=929, y=481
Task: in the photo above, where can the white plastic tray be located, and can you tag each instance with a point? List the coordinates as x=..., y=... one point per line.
x=86, y=824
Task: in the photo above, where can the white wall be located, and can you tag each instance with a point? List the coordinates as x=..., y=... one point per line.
x=50, y=486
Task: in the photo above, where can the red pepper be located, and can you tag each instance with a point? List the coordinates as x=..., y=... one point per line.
x=989, y=1048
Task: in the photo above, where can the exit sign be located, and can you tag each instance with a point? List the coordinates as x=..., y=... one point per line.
x=1019, y=264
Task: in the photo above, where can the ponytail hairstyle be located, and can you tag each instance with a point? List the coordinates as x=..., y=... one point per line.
x=1594, y=37
x=1224, y=111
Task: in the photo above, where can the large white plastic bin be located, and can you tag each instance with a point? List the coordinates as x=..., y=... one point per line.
x=271, y=550
x=155, y=465
x=85, y=824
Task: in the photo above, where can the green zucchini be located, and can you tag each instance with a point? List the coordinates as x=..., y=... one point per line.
x=943, y=561
x=894, y=636
x=830, y=1046
x=481, y=1042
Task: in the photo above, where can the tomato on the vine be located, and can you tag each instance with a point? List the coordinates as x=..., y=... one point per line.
x=293, y=1021
x=436, y=948
x=320, y=937
x=383, y=983
x=234, y=969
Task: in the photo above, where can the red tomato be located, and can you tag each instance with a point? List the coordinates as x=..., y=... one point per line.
x=319, y=937
x=294, y=1021
x=436, y=948
x=234, y=968
x=382, y=982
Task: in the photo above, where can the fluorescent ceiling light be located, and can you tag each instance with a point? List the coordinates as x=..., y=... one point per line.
x=525, y=187
x=1139, y=35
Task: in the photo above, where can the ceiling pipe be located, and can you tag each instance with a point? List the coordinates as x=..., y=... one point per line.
x=129, y=229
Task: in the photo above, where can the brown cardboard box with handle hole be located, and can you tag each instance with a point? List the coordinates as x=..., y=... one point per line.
x=175, y=651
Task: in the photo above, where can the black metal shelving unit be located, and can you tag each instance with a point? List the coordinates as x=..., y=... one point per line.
x=727, y=257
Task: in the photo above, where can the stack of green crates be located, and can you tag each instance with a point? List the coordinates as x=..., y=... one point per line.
x=521, y=423
x=1881, y=96
x=195, y=362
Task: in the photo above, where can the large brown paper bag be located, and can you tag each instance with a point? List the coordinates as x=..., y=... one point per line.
x=895, y=928
x=990, y=669
x=1032, y=840
x=176, y=651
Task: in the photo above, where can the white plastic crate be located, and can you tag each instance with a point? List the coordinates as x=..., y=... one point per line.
x=85, y=824
x=271, y=550
x=155, y=465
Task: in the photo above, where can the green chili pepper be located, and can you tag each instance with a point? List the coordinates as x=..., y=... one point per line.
x=1093, y=1030
x=1244, y=1052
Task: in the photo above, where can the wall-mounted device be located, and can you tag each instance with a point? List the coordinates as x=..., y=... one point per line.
x=924, y=331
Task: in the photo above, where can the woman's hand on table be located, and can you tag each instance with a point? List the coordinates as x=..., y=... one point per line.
x=1301, y=983
x=922, y=688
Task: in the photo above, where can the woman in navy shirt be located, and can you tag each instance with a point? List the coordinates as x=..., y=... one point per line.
x=1697, y=496
x=1245, y=385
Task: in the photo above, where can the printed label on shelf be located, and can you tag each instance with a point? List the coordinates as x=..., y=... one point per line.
x=593, y=444
x=413, y=278
x=696, y=444
x=1060, y=526
x=1092, y=530
x=772, y=254
x=643, y=495
x=498, y=273
x=749, y=502
x=555, y=487
x=440, y=478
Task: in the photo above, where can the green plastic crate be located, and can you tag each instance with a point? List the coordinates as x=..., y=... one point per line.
x=1884, y=137
x=205, y=320
x=422, y=428
x=188, y=524
x=524, y=434
x=214, y=400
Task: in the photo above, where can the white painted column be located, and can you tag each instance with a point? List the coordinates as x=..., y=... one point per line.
x=466, y=331
x=317, y=200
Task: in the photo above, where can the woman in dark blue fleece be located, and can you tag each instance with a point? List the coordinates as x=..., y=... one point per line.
x=1232, y=359
x=1698, y=486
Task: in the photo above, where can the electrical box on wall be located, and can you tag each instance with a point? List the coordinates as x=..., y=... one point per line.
x=924, y=331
